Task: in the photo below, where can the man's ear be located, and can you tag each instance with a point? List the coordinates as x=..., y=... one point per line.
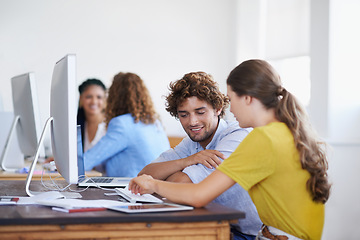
x=217, y=112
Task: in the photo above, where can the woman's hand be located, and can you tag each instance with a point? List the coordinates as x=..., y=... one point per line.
x=142, y=184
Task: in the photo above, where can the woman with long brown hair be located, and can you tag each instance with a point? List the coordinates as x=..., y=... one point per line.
x=281, y=163
x=134, y=134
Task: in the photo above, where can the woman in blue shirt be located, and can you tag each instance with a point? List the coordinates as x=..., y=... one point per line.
x=134, y=134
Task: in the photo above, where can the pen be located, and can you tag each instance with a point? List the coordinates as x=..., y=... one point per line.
x=78, y=209
x=9, y=199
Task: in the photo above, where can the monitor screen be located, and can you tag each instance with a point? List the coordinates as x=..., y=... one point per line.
x=80, y=155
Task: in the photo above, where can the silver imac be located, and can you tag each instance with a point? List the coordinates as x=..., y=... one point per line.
x=62, y=121
x=26, y=121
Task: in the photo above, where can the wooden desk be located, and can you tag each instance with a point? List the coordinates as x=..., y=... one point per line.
x=37, y=174
x=40, y=222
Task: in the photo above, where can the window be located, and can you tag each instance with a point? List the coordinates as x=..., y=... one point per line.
x=295, y=76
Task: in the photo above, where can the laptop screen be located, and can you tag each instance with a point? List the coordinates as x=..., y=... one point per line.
x=80, y=155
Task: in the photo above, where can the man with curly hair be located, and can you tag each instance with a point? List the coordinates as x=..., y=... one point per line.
x=199, y=105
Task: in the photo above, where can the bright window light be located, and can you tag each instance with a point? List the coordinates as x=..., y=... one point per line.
x=295, y=76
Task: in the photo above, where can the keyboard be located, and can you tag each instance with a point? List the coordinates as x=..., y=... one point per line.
x=99, y=180
x=133, y=198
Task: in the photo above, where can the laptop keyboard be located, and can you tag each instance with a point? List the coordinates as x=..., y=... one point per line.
x=99, y=180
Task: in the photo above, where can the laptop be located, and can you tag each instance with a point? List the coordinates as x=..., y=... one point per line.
x=114, y=182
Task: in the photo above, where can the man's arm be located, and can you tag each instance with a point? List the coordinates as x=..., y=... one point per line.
x=229, y=141
x=162, y=170
x=179, y=177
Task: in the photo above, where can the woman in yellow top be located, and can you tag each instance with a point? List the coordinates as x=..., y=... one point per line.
x=280, y=163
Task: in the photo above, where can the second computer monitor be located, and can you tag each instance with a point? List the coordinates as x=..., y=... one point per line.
x=26, y=121
x=26, y=107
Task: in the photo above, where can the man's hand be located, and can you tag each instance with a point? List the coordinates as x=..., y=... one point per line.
x=163, y=170
x=209, y=158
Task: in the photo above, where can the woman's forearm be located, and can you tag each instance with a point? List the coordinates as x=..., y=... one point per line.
x=197, y=195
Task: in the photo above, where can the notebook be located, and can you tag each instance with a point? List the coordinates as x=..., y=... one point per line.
x=95, y=181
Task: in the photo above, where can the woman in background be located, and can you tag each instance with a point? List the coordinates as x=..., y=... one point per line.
x=90, y=114
x=281, y=163
x=134, y=134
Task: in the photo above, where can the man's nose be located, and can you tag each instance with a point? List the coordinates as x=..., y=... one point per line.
x=193, y=119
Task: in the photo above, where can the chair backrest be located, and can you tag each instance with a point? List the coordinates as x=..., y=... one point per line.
x=174, y=140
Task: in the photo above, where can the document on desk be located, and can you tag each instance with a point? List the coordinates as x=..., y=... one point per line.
x=80, y=203
x=48, y=196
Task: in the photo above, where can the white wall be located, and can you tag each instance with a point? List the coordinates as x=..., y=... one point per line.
x=343, y=117
x=342, y=214
x=335, y=83
x=344, y=82
x=159, y=40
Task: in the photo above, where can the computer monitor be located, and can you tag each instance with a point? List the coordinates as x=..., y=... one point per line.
x=62, y=121
x=26, y=121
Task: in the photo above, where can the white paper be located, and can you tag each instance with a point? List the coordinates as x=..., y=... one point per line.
x=47, y=196
x=80, y=203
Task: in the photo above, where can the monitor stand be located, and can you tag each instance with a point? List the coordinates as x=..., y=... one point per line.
x=7, y=146
x=35, y=160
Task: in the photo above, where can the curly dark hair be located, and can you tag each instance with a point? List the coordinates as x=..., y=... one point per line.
x=200, y=85
x=128, y=94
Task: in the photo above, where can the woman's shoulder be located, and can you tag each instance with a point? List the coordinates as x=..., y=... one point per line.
x=124, y=121
x=274, y=132
x=272, y=128
x=122, y=118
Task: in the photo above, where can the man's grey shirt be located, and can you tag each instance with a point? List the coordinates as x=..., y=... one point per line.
x=226, y=139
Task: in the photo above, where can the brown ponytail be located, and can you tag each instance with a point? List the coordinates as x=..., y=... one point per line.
x=312, y=151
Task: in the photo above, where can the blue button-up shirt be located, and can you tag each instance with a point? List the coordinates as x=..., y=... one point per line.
x=227, y=137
